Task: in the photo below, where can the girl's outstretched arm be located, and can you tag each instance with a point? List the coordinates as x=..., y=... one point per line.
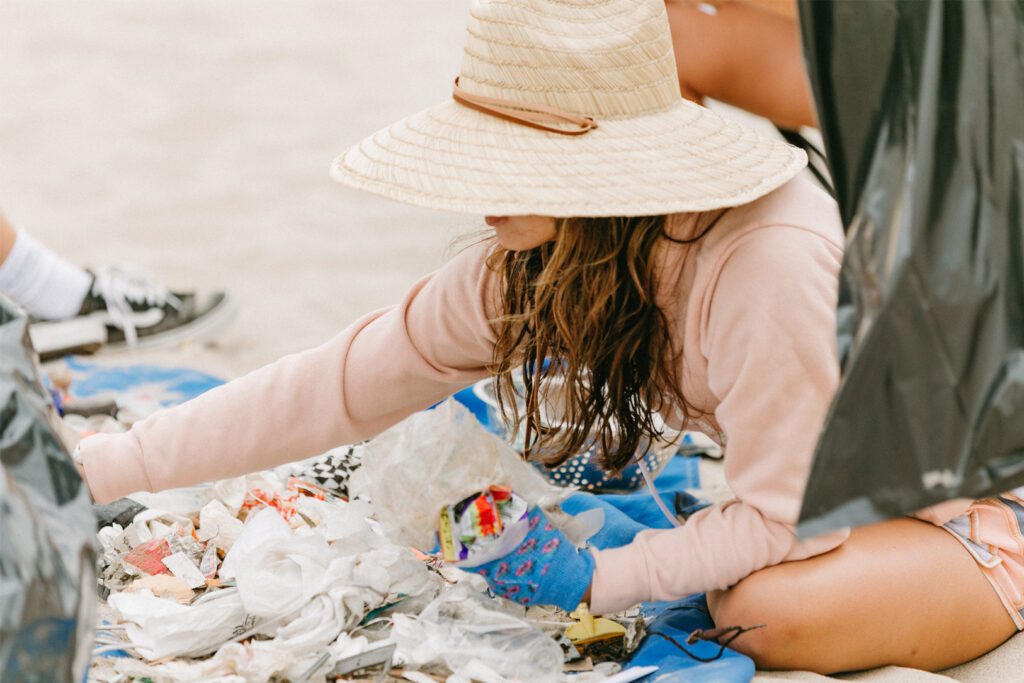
x=380, y=369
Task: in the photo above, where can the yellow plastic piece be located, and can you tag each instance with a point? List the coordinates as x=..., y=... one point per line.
x=588, y=627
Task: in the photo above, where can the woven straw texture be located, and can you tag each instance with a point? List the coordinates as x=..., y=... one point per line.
x=652, y=152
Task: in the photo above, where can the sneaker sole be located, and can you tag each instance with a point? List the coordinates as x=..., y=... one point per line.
x=53, y=338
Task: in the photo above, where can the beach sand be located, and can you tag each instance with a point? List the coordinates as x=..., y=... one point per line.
x=192, y=138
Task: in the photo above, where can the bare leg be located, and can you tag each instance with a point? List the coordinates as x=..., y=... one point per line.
x=743, y=55
x=902, y=592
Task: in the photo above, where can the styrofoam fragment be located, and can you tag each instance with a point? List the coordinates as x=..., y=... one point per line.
x=137, y=533
x=181, y=566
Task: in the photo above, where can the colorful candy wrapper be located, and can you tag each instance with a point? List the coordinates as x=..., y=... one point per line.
x=482, y=527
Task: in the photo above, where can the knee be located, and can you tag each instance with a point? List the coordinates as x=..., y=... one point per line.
x=777, y=614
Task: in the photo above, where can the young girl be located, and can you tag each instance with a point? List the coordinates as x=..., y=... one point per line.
x=671, y=261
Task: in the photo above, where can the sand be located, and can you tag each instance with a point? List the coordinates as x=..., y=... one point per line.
x=193, y=138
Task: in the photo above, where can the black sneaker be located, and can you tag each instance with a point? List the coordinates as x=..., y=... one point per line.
x=124, y=308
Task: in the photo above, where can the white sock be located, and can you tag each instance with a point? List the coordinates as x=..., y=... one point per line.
x=41, y=282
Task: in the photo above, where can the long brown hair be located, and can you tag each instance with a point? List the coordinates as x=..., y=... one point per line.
x=587, y=302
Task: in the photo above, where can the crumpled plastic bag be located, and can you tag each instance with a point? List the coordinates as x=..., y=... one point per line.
x=468, y=636
x=47, y=528
x=334, y=586
x=159, y=627
x=439, y=457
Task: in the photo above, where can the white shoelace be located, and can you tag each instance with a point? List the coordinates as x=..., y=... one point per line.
x=119, y=285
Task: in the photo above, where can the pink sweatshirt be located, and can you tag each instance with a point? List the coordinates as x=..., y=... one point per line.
x=752, y=304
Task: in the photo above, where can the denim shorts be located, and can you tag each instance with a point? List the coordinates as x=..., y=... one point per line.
x=991, y=530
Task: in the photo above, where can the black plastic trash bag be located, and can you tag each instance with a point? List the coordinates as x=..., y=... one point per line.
x=47, y=529
x=922, y=110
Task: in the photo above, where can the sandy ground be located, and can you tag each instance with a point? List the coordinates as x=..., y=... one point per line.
x=192, y=138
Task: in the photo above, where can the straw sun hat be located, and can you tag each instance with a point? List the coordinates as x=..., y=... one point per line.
x=568, y=108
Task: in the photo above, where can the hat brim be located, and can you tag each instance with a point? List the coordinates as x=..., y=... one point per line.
x=453, y=158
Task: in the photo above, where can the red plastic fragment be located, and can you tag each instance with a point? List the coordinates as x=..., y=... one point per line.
x=149, y=556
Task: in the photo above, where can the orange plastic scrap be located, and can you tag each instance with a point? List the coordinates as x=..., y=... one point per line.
x=422, y=556
x=287, y=504
x=149, y=556
x=184, y=530
x=307, y=489
x=257, y=498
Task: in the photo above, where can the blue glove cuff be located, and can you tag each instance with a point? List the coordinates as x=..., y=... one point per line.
x=563, y=586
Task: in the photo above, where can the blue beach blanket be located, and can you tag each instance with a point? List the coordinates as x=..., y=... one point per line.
x=164, y=385
x=631, y=513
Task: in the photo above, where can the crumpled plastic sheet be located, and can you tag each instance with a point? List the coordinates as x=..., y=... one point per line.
x=440, y=456
x=475, y=641
x=47, y=542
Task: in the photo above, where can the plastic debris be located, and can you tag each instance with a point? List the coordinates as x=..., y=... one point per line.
x=596, y=636
x=464, y=633
x=269, y=577
x=149, y=556
x=120, y=512
x=164, y=586
x=298, y=572
x=184, y=569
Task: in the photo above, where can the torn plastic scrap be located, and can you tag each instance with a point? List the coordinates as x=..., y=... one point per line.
x=219, y=525
x=183, y=568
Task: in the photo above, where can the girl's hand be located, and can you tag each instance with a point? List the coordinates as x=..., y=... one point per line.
x=545, y=569
x=76, y=460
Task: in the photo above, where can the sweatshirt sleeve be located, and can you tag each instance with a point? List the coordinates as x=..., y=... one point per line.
x=768, y=334
x=382, y=368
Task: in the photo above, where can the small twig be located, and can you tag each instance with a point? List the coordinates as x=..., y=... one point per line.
x=715, y=633
x=711, y=635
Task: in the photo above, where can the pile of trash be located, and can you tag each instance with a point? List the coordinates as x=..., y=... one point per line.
x=275, y=577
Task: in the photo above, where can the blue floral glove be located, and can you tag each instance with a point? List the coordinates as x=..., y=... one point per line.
x=545, y=569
